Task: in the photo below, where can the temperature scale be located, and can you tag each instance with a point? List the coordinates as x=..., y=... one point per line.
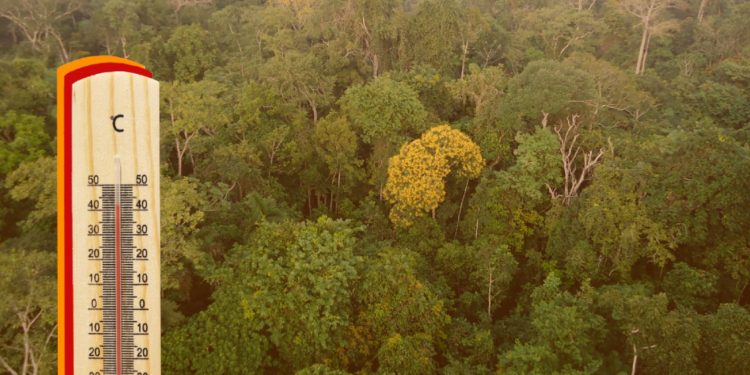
x=108, y=218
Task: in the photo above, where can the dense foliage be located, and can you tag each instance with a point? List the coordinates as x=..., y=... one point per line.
x=412, y=187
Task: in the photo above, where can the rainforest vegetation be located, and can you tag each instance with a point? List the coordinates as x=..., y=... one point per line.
x=410, y=186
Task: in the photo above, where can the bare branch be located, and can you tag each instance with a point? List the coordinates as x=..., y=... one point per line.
x=179, y=4
x=570, y=151
x=7, y=366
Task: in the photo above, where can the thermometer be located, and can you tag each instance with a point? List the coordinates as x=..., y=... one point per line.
x=108, y=219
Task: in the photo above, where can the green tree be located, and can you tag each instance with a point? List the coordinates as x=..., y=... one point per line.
x=319, y=369
x=407, y=355
x=296, y=282
x=24, y=87
x=565, y=336
x=544, y=87
x=41, y=22
x=473, y=349
x=286, y=292
x=182, y=205
x=217, y=340
x=193, y=110
x=724, y=335
x=659, y=340
x=697, y=194
x=383, y=110
x=690, y=287
x=385, y=113
x=300, y=78
x=617, y=222
x=433, y=35
x=397, y=314
x=120, y=21
x=366, y=30
x=559, y=30
x=480, y=274
x=22, y=138
x=337, y=145
x=192, y=51
x=484, y=89
x=652, y=16
x=617, y=99
x=34, y=183
x=28, y=314
x=267, y=122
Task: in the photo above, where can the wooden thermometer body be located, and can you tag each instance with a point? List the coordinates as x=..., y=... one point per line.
x=108, y=219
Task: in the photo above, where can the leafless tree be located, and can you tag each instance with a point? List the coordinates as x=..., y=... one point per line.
x=177, y=5
x=583, y=4
x=33, y=352
x=39, y=20
x=575, y=173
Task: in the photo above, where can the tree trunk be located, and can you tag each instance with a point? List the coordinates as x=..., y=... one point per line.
x=463, y=58
x=26, y=349
x=271, y=157
x=179, y=156
x=645, y=53
x=123, y=43
x=63, y=52
x=176, y=139
x=368, y=51
x=309, y=202
x=641, y=50
x=333, y=193
x=460, y=208
x=375, y=65
x=702, y=10
x=338, y=191
x=742, y=291
x=330, y=203
x=489, y=293
x=192, y=161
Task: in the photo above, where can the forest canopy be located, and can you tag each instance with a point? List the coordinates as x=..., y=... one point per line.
x=412, y=186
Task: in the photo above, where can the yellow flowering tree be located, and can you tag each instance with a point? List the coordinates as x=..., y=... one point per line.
x=416, y=175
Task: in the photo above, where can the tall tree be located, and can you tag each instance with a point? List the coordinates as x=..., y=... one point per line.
x=573, y=157
x=653, y=19
x=27, y=315
x=336, y=143
x=559, y=30
x=40, y=20
x=385, y=113
x=299, y=78
x=194, y=109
